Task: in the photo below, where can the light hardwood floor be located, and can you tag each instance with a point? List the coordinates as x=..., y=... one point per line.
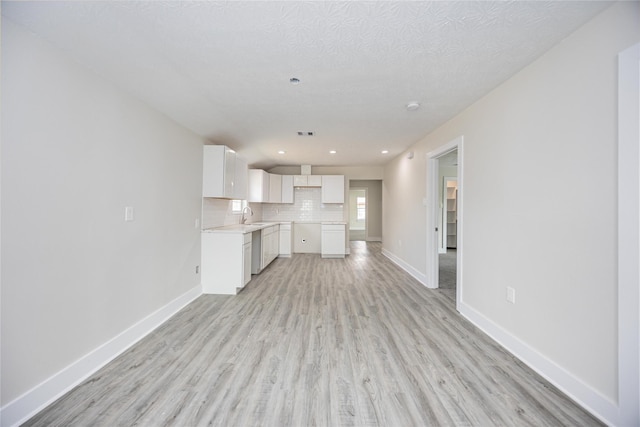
x=317, y=342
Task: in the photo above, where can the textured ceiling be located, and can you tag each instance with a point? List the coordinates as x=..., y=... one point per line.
x=222, y=69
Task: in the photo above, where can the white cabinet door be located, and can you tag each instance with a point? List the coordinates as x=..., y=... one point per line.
x=275, y=248
x=307, y=180
x=275, y=188
x=333, y=189
x=333, y=240
x=287, y=189
x=267, y=247
x=229, y=171
x=314, y=181
x=241, y=180
x=258, y=186
x=285, y=240
x=300, y=180
x=218, y=171
x=246, y=260
x=270, y=244
x=223, y=262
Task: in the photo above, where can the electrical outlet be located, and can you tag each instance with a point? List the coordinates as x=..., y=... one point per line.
x=511, y=295
x=197, y=269
x=197, y=223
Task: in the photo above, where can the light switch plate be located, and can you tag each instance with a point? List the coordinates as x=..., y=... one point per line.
x=128, y=213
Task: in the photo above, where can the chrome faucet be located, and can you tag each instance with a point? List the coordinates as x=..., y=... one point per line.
x=244, y=210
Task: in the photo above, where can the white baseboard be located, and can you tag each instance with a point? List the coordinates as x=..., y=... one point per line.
x=587, y=397
x=374, y=239
x=420, y=277
x=42, y=395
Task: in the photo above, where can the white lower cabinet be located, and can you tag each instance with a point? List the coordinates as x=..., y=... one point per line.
x=270, y=245
x=285, y=240
x=226, y=262
x=333, y=240
x=246, y=260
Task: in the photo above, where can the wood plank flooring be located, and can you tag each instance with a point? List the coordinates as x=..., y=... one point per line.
x=317, y=342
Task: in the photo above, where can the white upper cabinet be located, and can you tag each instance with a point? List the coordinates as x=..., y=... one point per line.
x=315, y=180
x=258, y=186
x=307, y=180
x=287, y=189
x=275, y=188
x=332, y=188
x=218, y=171
x=241, y=183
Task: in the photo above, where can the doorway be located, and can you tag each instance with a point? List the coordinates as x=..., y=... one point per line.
x=358, y=214
x=444, y=219
x=365, y=210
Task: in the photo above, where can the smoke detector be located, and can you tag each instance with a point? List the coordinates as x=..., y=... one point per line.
x=413, y=106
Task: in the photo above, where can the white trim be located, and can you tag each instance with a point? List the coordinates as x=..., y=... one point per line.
x=586, y=396
x=36, y=399
x=628, y=237
x=433, y=207
x=420, y=277
x=433, y=204
x=374, y=239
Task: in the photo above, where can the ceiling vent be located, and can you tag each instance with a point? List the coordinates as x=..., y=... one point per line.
x=305, y=133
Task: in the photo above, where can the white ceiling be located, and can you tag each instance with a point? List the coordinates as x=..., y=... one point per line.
x=222, y=69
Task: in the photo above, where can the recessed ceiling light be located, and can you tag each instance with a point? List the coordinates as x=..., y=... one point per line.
x=332, y=152
x=294, y=80
x=413, y=106
x=281, y=152
x=385, y=151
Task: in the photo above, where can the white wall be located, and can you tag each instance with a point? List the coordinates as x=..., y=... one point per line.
x=539, y=207
x=75, y=152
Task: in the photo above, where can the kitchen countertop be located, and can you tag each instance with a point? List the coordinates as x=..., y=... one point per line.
x=240, y=228
x=250, y=228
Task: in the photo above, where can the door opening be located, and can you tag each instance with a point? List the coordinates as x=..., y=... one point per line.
x=444, y=218
x=358, y=214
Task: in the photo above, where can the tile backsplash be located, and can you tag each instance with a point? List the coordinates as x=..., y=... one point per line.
x=307, y=207
x=217, y=212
